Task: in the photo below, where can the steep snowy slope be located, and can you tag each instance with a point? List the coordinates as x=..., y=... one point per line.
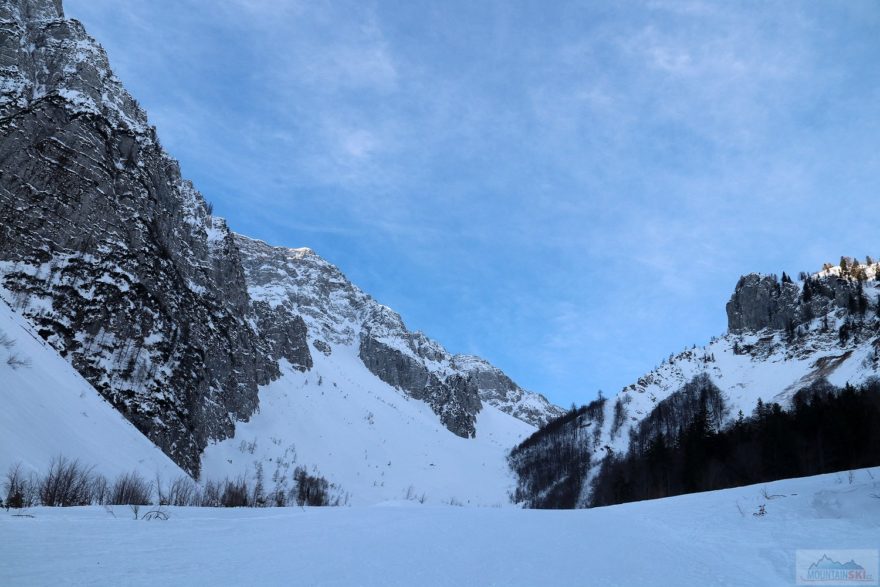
x=48, y=409
x=371, y=439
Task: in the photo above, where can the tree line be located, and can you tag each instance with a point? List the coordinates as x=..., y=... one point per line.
x=552, y=463
x=827, y=429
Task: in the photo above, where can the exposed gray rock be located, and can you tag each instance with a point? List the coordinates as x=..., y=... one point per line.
x=112, y=254
x=499, y=390
x=322, y=347
x=118, y=261
x=760, y=301
x=456, y=400
x=763, y=301
x=23, y=11
x=337, y=312
x=284, y=333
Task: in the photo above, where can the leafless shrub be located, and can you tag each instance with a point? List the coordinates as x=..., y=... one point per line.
x=338, y=497
x=130, y=489
x=67, y=483
x=412, y=495
x=182, y=492
x=769, y=496
x=100, y=489
x=15, y=361
x=310, y=489
x=278, y=498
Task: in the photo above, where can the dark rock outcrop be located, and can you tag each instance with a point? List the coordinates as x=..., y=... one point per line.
x=763, y=301
x=456, y=400
x=760, y=301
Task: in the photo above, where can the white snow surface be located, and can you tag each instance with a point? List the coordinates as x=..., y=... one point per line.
x=50, y=410
x=697, y=540
x=370, y=439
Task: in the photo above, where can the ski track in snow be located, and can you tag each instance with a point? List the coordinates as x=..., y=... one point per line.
x=695, y=540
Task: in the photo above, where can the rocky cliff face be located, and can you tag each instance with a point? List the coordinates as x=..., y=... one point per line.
x=123, y=269
x=763, y=301
x=337, y=313
x=110, y=252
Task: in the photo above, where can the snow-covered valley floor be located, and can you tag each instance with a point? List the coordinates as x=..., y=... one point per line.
x=702, y=539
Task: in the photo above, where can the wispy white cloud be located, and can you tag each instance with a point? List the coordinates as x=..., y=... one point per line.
x=572, y=190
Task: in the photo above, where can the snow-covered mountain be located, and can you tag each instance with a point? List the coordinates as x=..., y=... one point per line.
x=783, y=335
x=203, y=338
x=383, y=412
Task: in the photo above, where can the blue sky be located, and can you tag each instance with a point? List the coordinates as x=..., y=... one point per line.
x=569, y=189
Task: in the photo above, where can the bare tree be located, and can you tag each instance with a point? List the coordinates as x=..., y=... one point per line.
x=182, y=492
x=130, y=489
x=19, y=488
x=100, y=489
x=67, y=483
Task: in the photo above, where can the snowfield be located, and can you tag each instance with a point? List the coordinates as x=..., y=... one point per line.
x=695, y=540
x=50, y=410
x=370, y=439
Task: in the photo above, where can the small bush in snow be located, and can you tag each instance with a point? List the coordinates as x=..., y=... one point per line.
x=67, y=483
x=6, y=341
x=182, y=492
x=130, y=489
x=20, y=489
